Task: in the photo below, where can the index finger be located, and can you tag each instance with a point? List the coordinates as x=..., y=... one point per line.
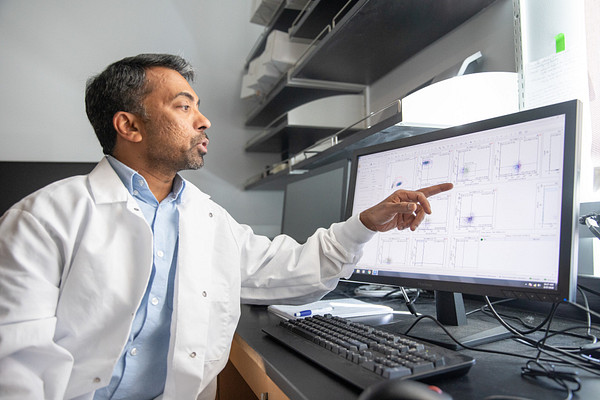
x=435, y=189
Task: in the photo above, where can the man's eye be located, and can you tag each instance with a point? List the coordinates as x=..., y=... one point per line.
x=185, y=107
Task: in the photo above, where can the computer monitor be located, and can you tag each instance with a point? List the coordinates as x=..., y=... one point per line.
x=507, y=229
x=20, y=178
x=315, y=199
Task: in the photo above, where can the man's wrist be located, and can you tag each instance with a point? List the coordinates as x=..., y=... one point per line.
x=365, y=221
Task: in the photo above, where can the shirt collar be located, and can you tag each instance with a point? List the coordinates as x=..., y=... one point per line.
x=138, y=187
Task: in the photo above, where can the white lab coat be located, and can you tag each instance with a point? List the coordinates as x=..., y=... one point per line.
x=75, y=259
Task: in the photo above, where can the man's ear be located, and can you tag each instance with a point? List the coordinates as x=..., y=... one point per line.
x=127, y=126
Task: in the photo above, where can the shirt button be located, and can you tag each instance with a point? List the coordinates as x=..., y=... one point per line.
x=135, y=192
x=160, y=253
x=133, y=351
x=141, y=182
x=154, y=301
x=193, y=354
x=204, y=294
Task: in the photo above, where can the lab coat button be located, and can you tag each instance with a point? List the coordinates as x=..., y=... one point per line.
x=193, y=354
x=96, y=380
x=210, y=214
x=204, y=294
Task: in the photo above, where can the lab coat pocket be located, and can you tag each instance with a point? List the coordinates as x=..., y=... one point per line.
x=223, y=315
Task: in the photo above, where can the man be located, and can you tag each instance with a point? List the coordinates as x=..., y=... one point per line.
x=126, y=283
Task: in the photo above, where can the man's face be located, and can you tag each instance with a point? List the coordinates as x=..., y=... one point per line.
x=174, y=131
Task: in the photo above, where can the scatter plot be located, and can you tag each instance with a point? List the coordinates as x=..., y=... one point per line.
x=474, y=164
x=434, y=169
x=400, y=175
x=393, y=251
x=519, y=157
x=476, y=209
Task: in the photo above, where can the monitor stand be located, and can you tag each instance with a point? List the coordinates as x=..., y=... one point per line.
x=450, y=311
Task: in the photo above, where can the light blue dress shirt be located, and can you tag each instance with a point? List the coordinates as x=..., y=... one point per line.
x=141, y=371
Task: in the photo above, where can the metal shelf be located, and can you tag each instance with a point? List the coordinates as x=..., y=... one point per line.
x=316, y=16
x=336, y=147
x=376, y=36
x=288, y=94
x=370, y=40
x=287, y=139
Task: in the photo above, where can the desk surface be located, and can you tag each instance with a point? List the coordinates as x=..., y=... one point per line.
x=492, y=374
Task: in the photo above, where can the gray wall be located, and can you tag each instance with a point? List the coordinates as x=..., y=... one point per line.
x=49, y=48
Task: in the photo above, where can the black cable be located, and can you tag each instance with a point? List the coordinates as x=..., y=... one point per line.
x=409, y=303
x=483, y=307
x=487, y=312
x=567, y=333
x=562, y=378
x=515, y=330
x=542, y=342
x=543, y=347
x=531, y=343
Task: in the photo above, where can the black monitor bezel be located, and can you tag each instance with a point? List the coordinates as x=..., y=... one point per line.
x=566, y=288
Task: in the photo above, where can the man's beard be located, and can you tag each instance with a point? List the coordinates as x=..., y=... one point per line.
x=194, y=164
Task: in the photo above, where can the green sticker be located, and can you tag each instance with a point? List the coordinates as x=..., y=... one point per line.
x=560, y=42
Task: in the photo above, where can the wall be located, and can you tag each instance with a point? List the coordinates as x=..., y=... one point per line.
x=49, y=48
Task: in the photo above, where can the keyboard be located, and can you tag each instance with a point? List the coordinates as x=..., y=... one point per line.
x=363, y=355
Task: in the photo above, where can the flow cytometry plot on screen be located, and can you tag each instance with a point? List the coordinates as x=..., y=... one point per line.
x=476, y=209
x=438, y=219
x=393, y=251
x=434, y=169
x=430, y=251
x=518, y=157
x=548, y=206
x=553, y=156
x=474, y=164
x=400, y=175
x=466, y=253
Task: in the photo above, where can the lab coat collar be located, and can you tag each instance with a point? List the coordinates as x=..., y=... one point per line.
x=106, y=187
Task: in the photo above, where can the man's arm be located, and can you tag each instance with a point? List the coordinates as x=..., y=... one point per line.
x=32, y=366
x=283, y=270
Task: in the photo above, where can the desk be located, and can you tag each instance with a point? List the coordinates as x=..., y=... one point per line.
x=299, y=379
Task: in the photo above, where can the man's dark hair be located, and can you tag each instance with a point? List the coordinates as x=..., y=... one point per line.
x=122, y=86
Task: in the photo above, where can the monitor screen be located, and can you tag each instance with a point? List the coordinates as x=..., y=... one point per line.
x=508, y=228
x=315, y=199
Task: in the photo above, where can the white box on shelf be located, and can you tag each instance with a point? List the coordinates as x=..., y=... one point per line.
x=281, y=52
x=331, y=112
x=263, y=11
